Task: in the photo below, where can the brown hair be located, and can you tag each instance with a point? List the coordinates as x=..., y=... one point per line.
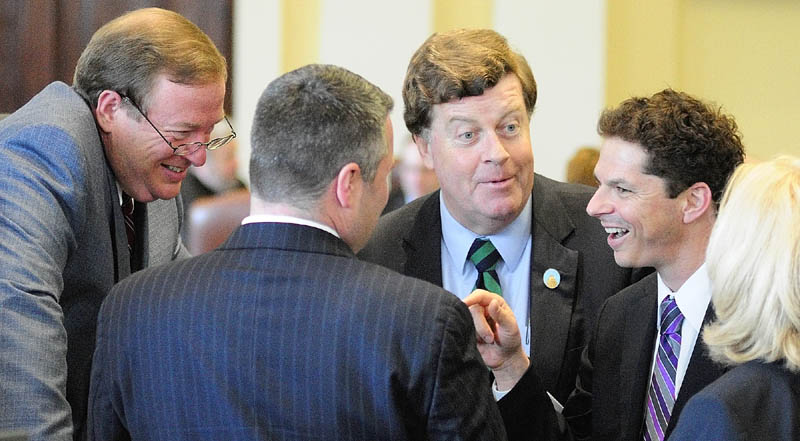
x=687, y=141
x=580, y=168
x=126, y=54
x=457, y=64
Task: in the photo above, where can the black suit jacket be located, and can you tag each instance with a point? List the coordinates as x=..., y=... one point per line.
x=753, y=401
x=282, y=334
x=609, y=399
x=408, y=240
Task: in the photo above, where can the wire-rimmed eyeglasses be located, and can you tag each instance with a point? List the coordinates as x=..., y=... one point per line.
x=189, y=147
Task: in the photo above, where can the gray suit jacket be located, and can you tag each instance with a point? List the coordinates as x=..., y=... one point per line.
x=280, y=333
x=62, y=247
x=408, y=240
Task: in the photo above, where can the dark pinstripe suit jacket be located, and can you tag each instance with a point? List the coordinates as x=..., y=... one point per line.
x=282, y=334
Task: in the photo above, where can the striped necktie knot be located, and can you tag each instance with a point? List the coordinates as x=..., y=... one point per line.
x=485, y=256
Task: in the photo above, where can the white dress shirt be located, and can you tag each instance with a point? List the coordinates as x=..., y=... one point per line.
x=693, y=298
x=280, y=219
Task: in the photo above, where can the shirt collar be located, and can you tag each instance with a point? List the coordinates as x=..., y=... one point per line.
x=280, y=219
x=510, y=242
x=692, y=297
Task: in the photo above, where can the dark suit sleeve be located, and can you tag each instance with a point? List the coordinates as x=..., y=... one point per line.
x=578, y=408
x=462, y=405
x=705, y=418
x=527, y=411
x=104, y=423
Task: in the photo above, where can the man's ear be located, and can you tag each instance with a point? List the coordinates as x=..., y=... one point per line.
x=108, y=104
x=424, y=150
x=697, y=201
x=348, y=185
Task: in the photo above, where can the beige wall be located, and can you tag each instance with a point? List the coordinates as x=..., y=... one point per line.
x=740, y=54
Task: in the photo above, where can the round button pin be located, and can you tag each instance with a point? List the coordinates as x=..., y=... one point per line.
x=551, y=278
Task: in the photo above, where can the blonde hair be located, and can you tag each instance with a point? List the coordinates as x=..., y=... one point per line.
x=754, y=265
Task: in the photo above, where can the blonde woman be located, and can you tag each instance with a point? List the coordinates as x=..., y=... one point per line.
x=754, y=264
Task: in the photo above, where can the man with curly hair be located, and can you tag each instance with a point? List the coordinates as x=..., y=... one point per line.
x=663, y=165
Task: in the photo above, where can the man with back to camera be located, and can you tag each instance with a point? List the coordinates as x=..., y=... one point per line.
x=281, y=333
x=468, y=101
x=147, y=91
x=663, y=166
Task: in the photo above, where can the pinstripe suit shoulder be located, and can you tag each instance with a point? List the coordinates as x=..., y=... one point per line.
x=281, y=333
x=60, y=235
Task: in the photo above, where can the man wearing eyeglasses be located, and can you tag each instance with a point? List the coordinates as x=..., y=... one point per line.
x=147, y=91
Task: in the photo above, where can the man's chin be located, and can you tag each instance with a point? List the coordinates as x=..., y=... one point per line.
x=166, y=194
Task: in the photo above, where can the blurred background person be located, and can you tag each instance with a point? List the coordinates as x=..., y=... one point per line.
x=416, y=179
x=410, y=178
x=580, y=168
x=754, y=265
x=216, y=177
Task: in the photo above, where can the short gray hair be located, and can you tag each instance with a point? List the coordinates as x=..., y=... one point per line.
x=754, y=265
x=308, y=124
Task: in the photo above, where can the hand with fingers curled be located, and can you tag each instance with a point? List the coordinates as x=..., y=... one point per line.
x=498, y=337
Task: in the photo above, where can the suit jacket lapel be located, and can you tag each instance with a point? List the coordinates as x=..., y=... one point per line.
x=551, y=309
x=422, y=243
x=119, y=239
x=637, y=357
x=700, y=372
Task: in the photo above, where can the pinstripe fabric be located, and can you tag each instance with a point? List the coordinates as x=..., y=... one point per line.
x=282, y=334
x=62, y=247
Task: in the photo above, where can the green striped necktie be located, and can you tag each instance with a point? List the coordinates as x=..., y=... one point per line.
x=485, y=257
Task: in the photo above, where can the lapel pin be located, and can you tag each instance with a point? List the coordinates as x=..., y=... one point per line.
x=551, y=278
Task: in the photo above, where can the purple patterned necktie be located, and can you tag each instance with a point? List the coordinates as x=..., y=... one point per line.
x=661, y=395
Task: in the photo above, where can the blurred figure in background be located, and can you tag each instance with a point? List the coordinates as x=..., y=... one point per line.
x=416, y=179
x=754, y=266
x=411, y=179
x=217, y=176
x=580, y=168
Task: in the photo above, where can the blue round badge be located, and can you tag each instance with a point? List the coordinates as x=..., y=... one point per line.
x=552, y=278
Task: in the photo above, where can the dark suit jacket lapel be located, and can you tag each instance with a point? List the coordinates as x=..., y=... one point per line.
x=422, y=243
x=636, y=359
x=699, y=374
x=140, y=255
x=551, y=309
x=122, y=262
